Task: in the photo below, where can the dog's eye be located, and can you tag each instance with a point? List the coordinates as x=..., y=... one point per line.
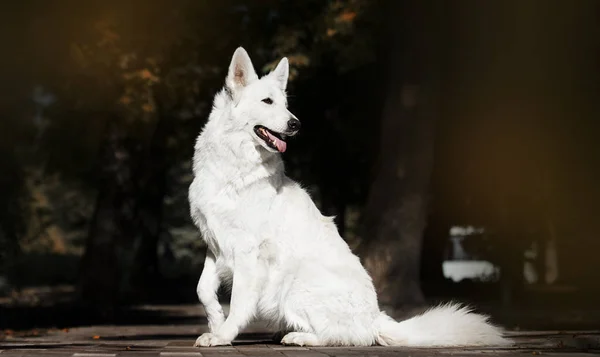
x=268, y=101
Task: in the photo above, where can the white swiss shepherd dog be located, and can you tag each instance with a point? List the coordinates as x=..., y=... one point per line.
x=284, y=260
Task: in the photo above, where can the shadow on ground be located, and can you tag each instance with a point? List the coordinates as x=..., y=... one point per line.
x=70, y=315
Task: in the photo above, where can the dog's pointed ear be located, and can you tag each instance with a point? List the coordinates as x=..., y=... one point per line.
x=281, y=73
x=241, y=72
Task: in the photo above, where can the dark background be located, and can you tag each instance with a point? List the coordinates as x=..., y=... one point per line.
x=418, y=116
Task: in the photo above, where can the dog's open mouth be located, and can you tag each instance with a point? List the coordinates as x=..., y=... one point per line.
x=274, y=140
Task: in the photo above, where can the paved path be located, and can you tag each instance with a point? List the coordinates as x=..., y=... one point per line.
x=176, y=340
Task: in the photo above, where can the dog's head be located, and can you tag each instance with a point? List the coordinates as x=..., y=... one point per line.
x=260, y=105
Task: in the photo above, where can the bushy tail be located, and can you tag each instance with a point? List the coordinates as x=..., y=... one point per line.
x=443, y=326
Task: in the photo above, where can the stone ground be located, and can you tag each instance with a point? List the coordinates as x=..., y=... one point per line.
x=176, y=340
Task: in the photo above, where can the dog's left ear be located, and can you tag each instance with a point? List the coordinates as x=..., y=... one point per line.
x=281, y=73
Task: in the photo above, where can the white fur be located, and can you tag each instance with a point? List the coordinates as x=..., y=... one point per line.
x=285, y=261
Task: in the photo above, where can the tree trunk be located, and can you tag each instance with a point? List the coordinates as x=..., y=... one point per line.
x=151, y=192
x=112, y=221
x=397, y=204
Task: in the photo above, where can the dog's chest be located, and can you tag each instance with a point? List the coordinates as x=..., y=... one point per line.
x=226, y=212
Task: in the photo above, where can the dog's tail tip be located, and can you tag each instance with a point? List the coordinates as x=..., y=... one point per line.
x=448, y=325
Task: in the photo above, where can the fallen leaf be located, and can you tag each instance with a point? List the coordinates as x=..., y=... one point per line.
x=96, y=337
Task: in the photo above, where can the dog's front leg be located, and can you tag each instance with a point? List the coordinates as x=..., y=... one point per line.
x=207, y=292
x=244, y=299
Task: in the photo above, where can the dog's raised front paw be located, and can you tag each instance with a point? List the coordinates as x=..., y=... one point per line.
x=207, y=339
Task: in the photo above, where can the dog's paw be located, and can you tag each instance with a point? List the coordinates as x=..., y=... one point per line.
x=300, y=339
x=208, y=339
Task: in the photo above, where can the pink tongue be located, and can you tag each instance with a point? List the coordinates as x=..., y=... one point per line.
x=281, y=145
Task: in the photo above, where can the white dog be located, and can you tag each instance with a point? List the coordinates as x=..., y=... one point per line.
x=285, y=261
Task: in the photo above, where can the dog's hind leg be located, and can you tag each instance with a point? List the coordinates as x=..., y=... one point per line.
x=207, y=293
x=301, y=339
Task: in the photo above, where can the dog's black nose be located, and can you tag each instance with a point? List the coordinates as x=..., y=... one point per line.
x=294, y=124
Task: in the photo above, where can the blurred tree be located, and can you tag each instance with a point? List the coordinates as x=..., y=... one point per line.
x=154, y=83
x=398, y=202
x=136, y=64
x=12, y=192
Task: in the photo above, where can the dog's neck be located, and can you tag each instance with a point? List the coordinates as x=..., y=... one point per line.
x=236, y=159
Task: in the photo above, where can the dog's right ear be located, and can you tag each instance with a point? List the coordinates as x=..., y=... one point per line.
x=241, y=72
